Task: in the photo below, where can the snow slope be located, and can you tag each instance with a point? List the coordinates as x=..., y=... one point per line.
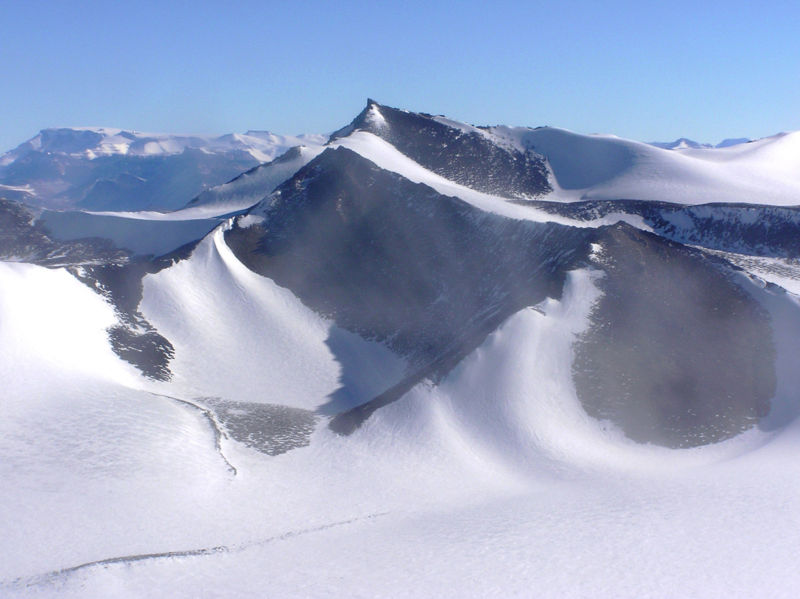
x=241, y=337
x=492, y=483
x=598, y=167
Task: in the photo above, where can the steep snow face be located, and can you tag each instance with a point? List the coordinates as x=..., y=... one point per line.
x=112, y=169
x=513, y=401
x=597, y=167
x=239, y=336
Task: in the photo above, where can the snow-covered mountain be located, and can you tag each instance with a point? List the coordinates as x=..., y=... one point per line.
x=683, y=143
x=112, y=169
x=420, y=358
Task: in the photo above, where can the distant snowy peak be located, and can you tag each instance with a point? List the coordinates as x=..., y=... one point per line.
x=683, y=143
x=92, y=142
x=679, y=144
x=106, y=169
x=733, y=141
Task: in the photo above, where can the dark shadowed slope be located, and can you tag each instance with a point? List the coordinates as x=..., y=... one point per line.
x=677, y=353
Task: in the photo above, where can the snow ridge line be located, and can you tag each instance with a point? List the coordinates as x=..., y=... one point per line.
x=219, y=433
x=55, y=576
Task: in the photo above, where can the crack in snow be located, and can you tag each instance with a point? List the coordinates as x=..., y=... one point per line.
x=63, y=574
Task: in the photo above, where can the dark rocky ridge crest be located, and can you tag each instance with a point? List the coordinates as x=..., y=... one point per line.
x=469, y=158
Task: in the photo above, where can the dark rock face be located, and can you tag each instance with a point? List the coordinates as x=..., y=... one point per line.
x=742, y=228
x=468, y=158
x=677, y=353
x=133, y=339
x=396, y=262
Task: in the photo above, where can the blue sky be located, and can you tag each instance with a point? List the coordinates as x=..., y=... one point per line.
x=645, y=70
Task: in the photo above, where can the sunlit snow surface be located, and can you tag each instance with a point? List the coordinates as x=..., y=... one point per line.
x=493, y=483
x=606, y=167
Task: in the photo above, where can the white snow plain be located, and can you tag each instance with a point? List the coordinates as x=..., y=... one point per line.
x=493, y=483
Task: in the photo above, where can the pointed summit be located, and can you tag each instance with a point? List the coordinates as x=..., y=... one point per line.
x=456, y=151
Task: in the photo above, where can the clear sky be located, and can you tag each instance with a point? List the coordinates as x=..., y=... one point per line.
x=644, y=70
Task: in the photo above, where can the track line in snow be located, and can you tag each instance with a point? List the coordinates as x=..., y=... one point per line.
x=56, y=576
x=219, y=434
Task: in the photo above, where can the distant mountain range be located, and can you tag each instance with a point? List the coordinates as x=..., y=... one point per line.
x=113, y=169
x=683, y=143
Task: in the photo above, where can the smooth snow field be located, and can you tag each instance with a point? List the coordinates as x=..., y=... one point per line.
x=493, y=483
x=606, y=167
